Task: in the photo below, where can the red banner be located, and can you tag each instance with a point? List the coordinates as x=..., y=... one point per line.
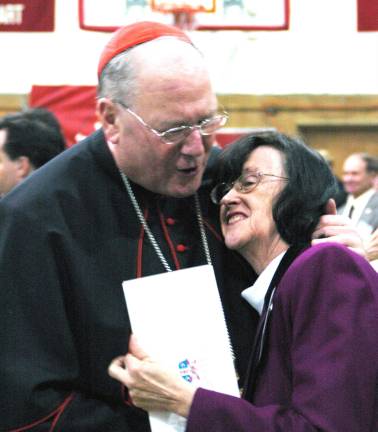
x=74, y=107
x=27, y=15
x=367, y=15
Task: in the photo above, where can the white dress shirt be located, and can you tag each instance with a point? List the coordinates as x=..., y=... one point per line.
x=255, y=294
x=358, y=204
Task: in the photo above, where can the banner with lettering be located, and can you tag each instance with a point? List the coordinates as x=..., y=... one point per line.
x=27, y=15
x=367, y=15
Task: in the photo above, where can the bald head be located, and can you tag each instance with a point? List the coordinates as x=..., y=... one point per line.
x=161, y=60
x=358, y=173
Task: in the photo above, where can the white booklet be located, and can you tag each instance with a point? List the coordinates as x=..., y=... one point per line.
x=178, y=319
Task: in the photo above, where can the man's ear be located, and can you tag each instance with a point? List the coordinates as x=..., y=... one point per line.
x=23, y=168
x=108, y=116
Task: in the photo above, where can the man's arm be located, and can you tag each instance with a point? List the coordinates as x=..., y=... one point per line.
x=337, y=228
x=43, y=380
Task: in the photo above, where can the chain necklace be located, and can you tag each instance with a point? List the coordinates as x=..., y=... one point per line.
x=151, y=237
x=157, y=249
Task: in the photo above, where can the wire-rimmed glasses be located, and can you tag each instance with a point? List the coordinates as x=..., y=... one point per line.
x=179, y=133
x=244, y=184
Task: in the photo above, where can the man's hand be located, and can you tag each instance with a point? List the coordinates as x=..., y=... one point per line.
x=372, y=246
x=337, y=228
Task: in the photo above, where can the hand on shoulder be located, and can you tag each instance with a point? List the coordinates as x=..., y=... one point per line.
x=339, y=229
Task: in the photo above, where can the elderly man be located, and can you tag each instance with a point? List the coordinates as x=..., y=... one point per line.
x=127, y=202
x=359, y=171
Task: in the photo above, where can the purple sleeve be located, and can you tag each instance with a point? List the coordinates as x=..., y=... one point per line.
x=212, y=411
x=326, y=317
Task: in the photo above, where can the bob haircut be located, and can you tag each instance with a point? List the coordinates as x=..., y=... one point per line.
x=311, y=183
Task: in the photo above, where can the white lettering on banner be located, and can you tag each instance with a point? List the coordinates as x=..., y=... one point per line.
x=11, y=14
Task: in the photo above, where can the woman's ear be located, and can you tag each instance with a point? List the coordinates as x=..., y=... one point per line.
x=108, y=116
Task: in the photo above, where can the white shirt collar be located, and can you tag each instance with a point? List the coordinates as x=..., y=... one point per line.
x=358, y=203
x=255, y=294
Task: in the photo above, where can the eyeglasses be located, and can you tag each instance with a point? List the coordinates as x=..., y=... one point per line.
x=178, y=134
x=244, y=184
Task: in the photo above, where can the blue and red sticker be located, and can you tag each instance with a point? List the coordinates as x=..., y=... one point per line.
x=188, y=370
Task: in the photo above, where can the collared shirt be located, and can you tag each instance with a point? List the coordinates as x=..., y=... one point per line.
x=255, y=294
x=358, y=204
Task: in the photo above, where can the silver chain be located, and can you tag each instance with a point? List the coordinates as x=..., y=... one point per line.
x=151, y=237
x=202, y=230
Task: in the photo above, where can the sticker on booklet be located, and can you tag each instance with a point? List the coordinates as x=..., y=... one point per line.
x=188, y=370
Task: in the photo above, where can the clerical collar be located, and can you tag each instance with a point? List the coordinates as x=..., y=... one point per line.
x=255, y=294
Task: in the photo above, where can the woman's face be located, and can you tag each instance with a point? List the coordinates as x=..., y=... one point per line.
x=246, y=218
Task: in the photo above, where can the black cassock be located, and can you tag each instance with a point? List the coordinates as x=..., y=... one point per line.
x=69, y=236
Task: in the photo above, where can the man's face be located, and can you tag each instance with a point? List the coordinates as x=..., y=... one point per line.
x=356, y=179
x=166, y=100
x=9, y=177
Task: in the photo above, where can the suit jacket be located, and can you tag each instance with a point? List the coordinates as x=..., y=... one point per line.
x=369, y=216
x=370, y=213
x=319, y=369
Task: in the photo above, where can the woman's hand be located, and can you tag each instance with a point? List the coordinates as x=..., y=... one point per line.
x=150, y=385
x=337, y=228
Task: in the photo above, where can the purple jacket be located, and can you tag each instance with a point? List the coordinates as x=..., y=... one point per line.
x=319, y=371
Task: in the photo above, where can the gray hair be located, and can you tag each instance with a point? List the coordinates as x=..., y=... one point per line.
x=118, y=79
x=370, y=161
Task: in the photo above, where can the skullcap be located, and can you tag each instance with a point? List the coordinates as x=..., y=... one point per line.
x=135, y=34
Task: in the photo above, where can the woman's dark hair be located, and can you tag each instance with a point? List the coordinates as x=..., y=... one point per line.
x=311, y=183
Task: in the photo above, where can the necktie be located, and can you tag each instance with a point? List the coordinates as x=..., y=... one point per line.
x=351, y=212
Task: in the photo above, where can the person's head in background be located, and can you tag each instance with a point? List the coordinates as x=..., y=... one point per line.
x=25, y=145
x=157, y=108
x=45, y=116
x=359, y=171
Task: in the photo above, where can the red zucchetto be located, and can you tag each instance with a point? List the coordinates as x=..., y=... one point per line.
x=135, y=34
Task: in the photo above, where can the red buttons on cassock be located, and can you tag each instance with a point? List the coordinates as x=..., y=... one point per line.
x=170, y=221
x=181, y=248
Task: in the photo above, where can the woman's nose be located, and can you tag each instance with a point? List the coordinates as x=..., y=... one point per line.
x=231, y=197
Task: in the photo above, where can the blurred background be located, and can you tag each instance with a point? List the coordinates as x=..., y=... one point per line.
x=303, y=67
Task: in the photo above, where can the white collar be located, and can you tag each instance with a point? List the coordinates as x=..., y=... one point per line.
x=362, y=199
x=359, y=204
x=255, y=294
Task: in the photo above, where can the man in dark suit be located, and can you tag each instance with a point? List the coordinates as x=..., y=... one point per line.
x=27, y=141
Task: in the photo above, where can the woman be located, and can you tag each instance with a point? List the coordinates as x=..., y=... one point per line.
x=314, y=364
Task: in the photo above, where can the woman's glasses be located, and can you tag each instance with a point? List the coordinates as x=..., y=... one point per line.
x=244, y=184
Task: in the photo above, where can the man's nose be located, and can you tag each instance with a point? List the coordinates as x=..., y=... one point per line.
x=193, y=144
